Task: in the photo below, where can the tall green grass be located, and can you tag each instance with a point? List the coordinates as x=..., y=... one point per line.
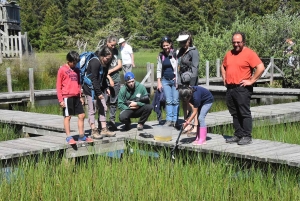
x=136, y=177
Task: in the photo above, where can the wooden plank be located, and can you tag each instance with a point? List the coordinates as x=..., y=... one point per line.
x=95, y=149
x=8, y=153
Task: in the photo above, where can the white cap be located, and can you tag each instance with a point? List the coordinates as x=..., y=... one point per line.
x=182, y=37
x=121, y=40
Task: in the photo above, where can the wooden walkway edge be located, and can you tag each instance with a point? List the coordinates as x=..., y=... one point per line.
x=50, y=136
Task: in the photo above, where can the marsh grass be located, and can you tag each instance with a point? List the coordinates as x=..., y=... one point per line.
x=193, y=176
x=9, y=132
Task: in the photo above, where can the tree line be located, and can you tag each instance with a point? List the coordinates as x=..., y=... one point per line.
x=60, y=24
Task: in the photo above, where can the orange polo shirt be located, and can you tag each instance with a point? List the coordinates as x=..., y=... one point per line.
x=240, y=66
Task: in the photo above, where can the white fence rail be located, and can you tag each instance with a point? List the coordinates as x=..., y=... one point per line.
x=13, y=46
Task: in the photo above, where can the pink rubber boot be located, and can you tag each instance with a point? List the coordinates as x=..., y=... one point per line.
x=202, y=139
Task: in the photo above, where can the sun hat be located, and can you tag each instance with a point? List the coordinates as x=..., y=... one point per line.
x=182, y=37
x=128, y=76
x=121, y=40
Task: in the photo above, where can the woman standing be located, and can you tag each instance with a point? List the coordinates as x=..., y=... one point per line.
x=167, y=79
x=200, y=100
x=188, y=62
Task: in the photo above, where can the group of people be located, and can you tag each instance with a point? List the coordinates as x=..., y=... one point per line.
x=177, y=79
x=103, y=72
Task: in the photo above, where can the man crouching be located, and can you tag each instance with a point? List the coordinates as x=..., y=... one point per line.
x=134, y=102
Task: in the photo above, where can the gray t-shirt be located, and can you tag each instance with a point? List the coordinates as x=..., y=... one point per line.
x=116, y=74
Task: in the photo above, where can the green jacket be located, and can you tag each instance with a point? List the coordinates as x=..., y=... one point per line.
x=126, y=94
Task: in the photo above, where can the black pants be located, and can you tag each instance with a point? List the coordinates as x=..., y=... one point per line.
x=238, y=103
x=143, y=113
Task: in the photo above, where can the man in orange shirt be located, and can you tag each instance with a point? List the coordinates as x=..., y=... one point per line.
x=238, y=77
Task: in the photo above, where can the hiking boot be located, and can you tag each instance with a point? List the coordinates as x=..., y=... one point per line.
x=140, y=127
x=112, y=126
x=233, y=139
x=245, y=141
x=70, y=140
x=168, y=123
x=85, y=139
x=106, y=133
x=95, y=134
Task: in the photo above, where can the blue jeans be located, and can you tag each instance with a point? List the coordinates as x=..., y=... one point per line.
x=172, y=99
x=203, y=110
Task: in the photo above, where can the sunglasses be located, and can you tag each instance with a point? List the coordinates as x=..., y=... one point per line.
x=165, y=39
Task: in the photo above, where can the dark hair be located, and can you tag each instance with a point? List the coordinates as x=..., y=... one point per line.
x=111, y=38
x=103, y=51
x=73, y=56
x=185, y=93
x=190, y=36
x=241, y=33
x=166, y=39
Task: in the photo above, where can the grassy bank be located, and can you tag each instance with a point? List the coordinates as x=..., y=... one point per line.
x=191, y=177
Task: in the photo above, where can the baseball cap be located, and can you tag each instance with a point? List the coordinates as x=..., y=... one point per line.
x=128, y=76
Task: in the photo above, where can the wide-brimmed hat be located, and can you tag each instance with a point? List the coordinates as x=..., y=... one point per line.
x=121, y=40
x=182, y=37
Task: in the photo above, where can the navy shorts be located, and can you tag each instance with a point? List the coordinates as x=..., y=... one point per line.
x=73, y=106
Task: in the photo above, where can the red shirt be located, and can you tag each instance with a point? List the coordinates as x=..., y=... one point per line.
x=240, y=66
x=68, y=82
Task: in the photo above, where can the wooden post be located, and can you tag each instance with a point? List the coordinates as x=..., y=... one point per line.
x=26, y=43
x=8, y=76
x=1, y=60
x=218, y=67
x=272, y=70
x=148, y=69
x=207, y=72
x=20, y=48
x=152, y=79
x=31, y=85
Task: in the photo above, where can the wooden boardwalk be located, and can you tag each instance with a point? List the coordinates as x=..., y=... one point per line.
x=50, y=137
x=259, y=92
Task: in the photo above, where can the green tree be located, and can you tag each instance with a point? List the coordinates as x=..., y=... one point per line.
x=53, y=31
x=32, y=17
x=83, y=16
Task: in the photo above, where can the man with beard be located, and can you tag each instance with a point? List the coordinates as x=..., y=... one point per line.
x=133, y=100
x=238, y=77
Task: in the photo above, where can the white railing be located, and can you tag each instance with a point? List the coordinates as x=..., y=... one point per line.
x=12, y=46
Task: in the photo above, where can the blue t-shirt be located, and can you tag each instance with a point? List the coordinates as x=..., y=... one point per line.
x=167, y=69
x=201, y=97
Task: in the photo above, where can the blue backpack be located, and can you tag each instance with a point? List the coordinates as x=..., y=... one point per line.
x=82, y=65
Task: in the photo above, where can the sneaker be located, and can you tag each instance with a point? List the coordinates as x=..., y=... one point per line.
x=168, y=123
x=70, y=140
x=106, y=133
x=140, y=127
x=245, y=141
x=95, y=134
x=85, y=139
x=127, y=127
x=112, y=126
x=233, y=139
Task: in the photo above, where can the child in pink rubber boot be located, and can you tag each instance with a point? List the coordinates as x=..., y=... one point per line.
x=200, y=100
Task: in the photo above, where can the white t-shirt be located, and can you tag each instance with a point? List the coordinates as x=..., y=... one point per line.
x=126, y=52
